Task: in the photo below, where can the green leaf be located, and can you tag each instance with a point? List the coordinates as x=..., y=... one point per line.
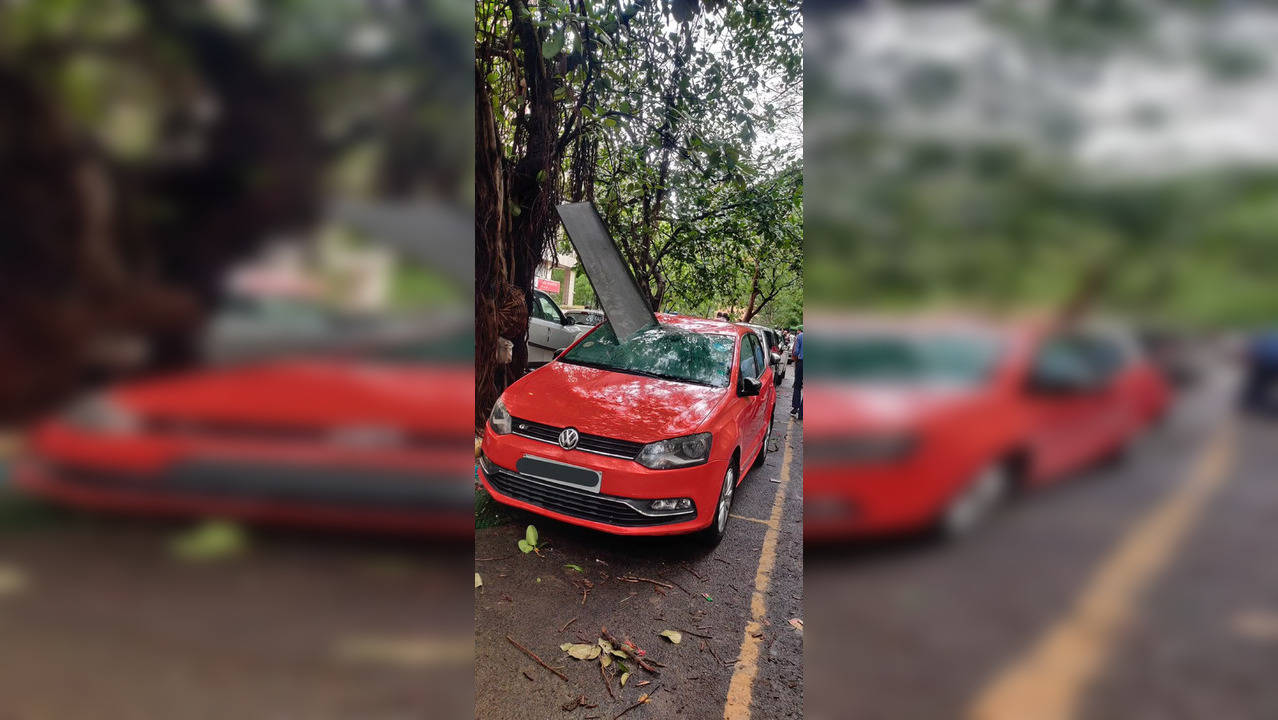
x=214, y=540
x=525, y=547
x=531, y=535
x=624, y=677
x=552, y=45
x=571, y=566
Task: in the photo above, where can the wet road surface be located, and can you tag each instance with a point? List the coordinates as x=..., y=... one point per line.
x=1142, y=591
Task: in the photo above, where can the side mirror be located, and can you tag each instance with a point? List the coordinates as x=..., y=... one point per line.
x=749, y=387
x=776, y=358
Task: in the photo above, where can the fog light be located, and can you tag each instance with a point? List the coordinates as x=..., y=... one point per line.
x=671, y=504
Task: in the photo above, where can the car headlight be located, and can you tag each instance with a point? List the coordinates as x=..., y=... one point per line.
x=676, y=452
x=99, y=413
x=499, y=418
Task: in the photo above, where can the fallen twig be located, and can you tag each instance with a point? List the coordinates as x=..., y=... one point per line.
x=607, y=682
x=533, y=655
x=565, y=627
x=643, y=699
x=685, y=590
x=633, y=579
x=646, y=665
x=689, y=569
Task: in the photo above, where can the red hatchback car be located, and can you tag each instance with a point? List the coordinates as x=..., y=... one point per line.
x=650, y=436
x=923, y=425
x=367, y=443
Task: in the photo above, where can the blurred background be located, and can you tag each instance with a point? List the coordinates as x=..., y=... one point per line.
x=236, y=358
x=1084, y=164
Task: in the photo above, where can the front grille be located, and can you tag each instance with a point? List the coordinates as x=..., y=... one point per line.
x=584, y=505
x=597, y=444
x=247, y=430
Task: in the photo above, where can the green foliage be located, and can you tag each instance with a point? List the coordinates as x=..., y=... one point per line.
x=681, y=121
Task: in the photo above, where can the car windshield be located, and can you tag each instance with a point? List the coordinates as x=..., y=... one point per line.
x=663, y=351
x=922, y=359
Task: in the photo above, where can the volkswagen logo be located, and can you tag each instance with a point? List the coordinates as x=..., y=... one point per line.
x=568, y=438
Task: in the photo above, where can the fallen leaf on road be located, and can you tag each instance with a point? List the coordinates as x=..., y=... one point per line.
x=581, y=651
x=624, y=677
x=673, y=636
x=478, y=580
x=210, y=541
x=12, y=580
x=605, y=659
x=570, y=566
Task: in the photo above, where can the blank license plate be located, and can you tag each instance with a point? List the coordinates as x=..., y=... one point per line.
x=558, y=472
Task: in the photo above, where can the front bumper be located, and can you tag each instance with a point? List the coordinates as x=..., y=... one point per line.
x=625, y=489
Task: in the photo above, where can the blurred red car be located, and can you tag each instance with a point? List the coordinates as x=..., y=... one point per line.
x=378, y=443
x=646, y=437
x=921, y=425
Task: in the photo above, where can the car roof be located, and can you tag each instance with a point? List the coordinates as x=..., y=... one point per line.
x=701, y=325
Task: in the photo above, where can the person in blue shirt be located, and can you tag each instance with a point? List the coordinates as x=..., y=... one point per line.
x=1262, y=372
x=796, y=399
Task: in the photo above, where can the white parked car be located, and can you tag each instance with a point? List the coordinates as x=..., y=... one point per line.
x=586, y=317
x=549, y=330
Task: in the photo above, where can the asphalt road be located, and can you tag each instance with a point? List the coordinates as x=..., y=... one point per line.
x=99, y=619
x=1144, y=591
x=749, y=662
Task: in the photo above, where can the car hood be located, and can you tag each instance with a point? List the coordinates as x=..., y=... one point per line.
x=612, y=404
x=843, y=409
x=313, y=393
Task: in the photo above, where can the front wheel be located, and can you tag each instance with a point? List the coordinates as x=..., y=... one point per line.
x=763, y=449
x=713, y=534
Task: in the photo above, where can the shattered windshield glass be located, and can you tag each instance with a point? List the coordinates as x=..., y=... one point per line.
x=665, y=352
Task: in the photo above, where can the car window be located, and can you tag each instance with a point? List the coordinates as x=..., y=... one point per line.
x=760, y=359
x=547, y=310
x=1064, y=358
x=906, y=358
x=1105, y=354
x=749, y=366
x=663, y=351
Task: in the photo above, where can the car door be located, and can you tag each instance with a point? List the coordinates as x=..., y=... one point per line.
x=1066, y=399
x=540, y=349
x=1119, y=390
x=754, y=366
x=559, y=334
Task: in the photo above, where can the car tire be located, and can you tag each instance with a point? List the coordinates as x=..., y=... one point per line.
x=723, y=506
x=973, y=505
x=763, y=450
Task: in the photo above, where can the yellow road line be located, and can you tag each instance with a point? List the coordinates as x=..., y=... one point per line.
x=1048, y=682
x=761, y=521
x=741, y=688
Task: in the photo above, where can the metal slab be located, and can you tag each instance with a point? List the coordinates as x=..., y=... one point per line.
x=614, y=285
